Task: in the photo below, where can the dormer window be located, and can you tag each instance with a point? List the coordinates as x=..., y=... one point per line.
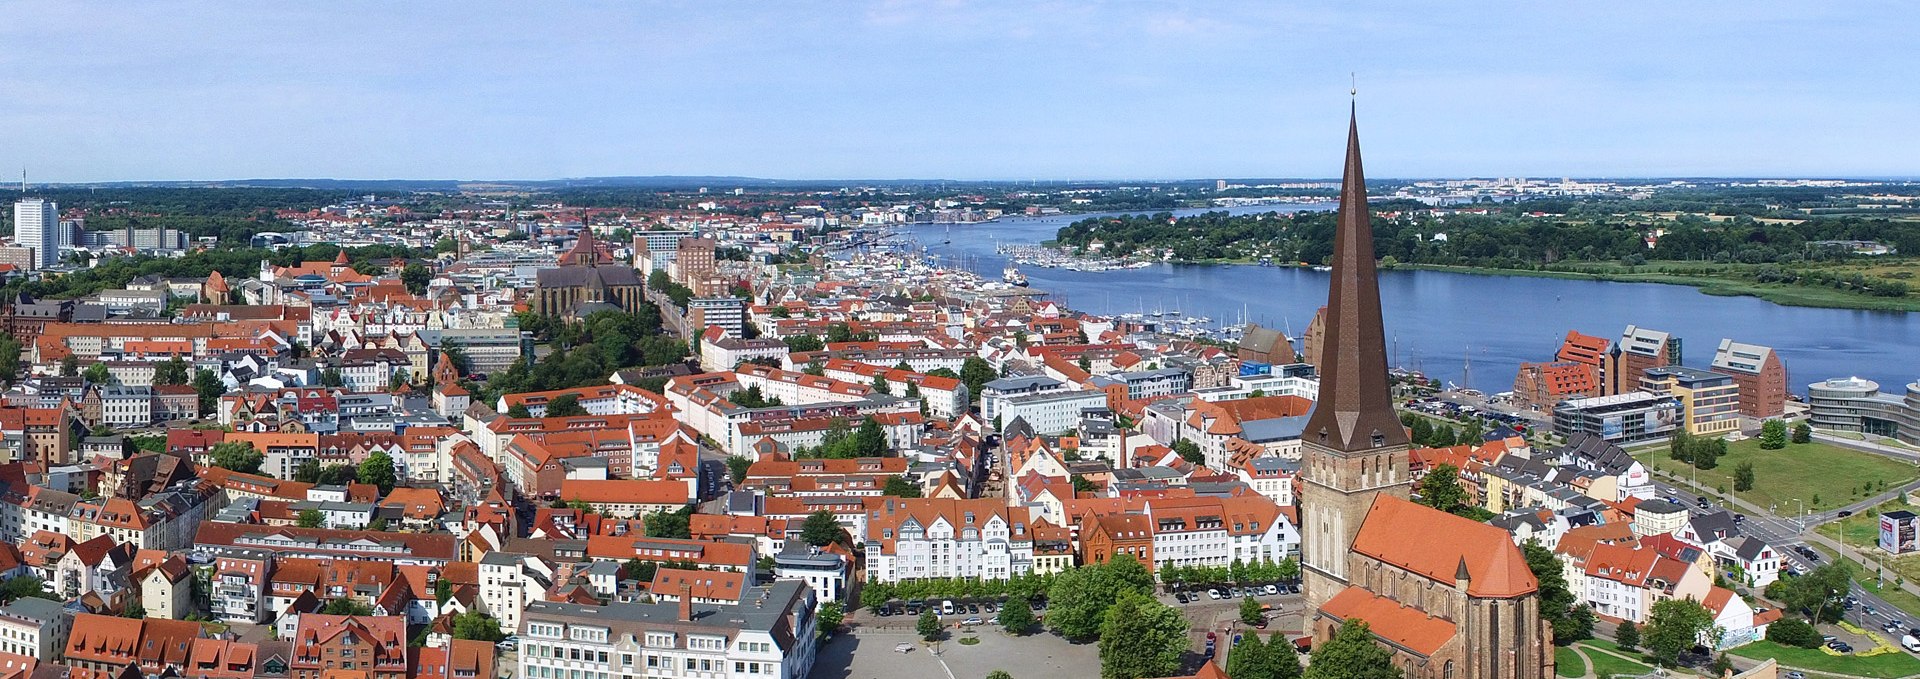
x=1379, y=440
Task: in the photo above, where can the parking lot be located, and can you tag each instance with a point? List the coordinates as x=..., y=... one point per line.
x=868, y=653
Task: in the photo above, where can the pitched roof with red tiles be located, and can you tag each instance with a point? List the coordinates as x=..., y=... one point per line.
x=1437, y=545
x=1401, y=625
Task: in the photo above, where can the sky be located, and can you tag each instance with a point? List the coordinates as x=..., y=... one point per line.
x=473, y=89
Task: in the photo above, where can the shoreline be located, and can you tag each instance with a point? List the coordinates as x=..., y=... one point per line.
x=1783, y=295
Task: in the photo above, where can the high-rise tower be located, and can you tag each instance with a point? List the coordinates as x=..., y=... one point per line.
x=36, y=224
x=1354, y=448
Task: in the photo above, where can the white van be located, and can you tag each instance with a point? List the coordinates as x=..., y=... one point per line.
x=946, y=607
x=1910, y=643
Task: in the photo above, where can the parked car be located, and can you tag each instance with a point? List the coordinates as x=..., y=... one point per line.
x=1840, y=646
x=1844, y=513
x=975, y=620
x=1795, y=675
x=946, y=607
x=1180, y=597
x=1273, y=589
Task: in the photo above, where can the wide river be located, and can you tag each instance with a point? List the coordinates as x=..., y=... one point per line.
x=1437, y=320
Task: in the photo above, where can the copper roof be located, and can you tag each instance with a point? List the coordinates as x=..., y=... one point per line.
x=1355, y=411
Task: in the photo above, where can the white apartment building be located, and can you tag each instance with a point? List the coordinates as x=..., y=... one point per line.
x=768, y=635
x=941, y=538
x=1050, y=412
x=34, y=627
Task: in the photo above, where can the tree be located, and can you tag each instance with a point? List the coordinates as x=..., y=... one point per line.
x=929, y=625
x=331, y=378
x=869, y=440
x=1676, y=625
x=1773, y=435
x=346, y=606
x=1189, y=451
x=20, y=587
x=1351, y=654
x=1422, y=429
x=171, y=371
x=1141, y=638
x=737, y=466
x=97, y=373
x=1016, y=616
x=975, y=372
x=1250, y=611
x=442, y=591
x=70, y=366
x=1815, y=594
x=1082, y=485
x=1802, y=433
x=209, y=387
x=1441, y=489
x=1743, y=476
x=821, y=529
x=1079, y=597
x=519, y=411
x=377, y=470
x=1793, y=632
x=881, y=385
x=1627, y=635
x=899, y=486
x=565, y=405
x=310, y=518
x=999, y=674
x=1571, y=622
x=1442, y=437
x=1252, y=659
x=415, y=276
x=477, y=626
x=674, y=524
x=236, y=456
x=830, y=617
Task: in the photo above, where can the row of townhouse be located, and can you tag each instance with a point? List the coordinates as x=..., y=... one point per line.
x=945, y=397
x=166, y=520
x=605, y=399
x=700, y=401
x=110, y=573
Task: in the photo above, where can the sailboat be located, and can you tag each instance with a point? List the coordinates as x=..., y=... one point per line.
x=949, y=238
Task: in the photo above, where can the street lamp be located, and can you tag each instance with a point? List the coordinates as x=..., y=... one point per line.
x=1802, y=518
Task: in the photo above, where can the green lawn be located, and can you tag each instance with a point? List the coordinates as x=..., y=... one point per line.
x=1606, y=665
x=1567, y=663
x=1885, y=666
x=1804, y=471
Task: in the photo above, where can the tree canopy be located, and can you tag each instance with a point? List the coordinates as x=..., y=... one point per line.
x=1141, y=638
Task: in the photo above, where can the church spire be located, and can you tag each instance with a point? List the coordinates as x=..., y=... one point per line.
x=1354, y=411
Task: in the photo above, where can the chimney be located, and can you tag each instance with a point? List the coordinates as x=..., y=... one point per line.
x=686, y=602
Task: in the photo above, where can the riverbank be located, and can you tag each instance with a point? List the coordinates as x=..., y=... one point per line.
x=1787, y=295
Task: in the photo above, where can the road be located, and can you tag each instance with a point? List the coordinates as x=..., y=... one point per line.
x=1789, y=534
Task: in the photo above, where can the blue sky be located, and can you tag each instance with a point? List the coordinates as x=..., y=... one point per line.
x=99, y=91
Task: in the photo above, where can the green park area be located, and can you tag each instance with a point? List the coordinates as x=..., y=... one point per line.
x=1886, y=666
x=1608, y=660
x=1820, y=475
x=1567, y=662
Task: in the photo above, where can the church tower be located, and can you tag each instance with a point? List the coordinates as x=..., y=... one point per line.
x=1354, y=448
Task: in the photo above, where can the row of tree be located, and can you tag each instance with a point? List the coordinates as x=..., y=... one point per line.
x=1236, y=573
x=1504, y=240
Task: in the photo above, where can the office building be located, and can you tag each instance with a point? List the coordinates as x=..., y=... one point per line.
x=1709, y=401
x=1856, y=404
x=1760, y=374
x=654, y=250
x=725, y=313
x=36, y=225
x=1620, y=418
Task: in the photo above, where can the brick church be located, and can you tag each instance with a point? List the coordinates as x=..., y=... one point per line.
x=1450, y=597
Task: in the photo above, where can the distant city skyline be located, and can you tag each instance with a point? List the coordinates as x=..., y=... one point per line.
x=1148, y=91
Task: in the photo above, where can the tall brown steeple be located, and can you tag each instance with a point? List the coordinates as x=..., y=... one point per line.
x=1353, y=450
x=1355, y=410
